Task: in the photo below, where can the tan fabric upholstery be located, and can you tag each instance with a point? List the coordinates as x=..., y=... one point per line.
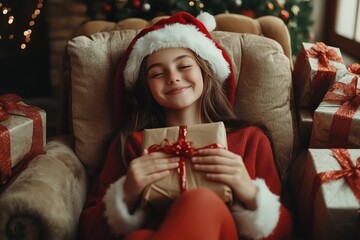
x=46, y=199
x=264, y=90
x=267, y=26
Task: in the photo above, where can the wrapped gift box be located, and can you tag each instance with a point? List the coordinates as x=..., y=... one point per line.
x=161, y=193
x=22, y=133
x=329, y=202
x=337, y=119
x=316, y=67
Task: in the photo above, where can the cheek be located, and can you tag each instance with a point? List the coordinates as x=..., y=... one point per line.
x=155, y=89
x=153, y=86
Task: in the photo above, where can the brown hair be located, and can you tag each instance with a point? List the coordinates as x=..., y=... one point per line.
x=144, y=112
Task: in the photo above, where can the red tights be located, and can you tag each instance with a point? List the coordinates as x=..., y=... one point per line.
x=197, y=214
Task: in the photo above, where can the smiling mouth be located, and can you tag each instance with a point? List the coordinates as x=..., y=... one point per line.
x=176, y=90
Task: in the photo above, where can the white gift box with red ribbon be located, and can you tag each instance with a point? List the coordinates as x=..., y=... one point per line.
x=22, y=133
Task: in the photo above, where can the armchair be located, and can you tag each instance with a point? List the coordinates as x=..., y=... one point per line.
x=45, y=200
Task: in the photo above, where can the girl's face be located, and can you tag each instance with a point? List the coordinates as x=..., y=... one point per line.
x=174, y=78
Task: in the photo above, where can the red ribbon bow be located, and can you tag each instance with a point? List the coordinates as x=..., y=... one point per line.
x=8, y=102
x=181, y=148
x=325, y=54
x=350, y=102
x=354, y=68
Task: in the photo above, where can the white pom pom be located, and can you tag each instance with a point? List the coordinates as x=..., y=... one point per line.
x=208, y=20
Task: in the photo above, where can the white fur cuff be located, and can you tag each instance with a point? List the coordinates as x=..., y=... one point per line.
x=116, y=210
x=261, y=222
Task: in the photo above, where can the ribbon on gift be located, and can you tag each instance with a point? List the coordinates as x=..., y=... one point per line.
x=183, y=149
x=350, y=173
x=354, y=68
x=350, y=102
x=10, y=103
x=326, y=72
x=324, y=54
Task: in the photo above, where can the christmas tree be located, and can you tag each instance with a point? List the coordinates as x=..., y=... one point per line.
x=296, y=14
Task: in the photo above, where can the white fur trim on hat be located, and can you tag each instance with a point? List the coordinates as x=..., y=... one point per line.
x=176, y=36
x=261, y=222
x=116, y=210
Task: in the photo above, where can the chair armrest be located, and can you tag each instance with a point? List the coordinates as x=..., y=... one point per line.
x=46, y=199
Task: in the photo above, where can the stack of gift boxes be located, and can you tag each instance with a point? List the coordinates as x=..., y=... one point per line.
x=22, y=136
x=330, y=192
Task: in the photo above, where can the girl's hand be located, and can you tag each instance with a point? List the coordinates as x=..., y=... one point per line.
x=147, y=169
x=223, y=166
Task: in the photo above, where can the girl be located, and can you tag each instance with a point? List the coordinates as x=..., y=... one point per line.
x=172, y=74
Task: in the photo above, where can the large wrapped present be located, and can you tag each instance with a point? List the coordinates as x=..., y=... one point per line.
x=183, y=141
x=315, y=69
x=22, y=133
x=336, y=121
x=330, y=195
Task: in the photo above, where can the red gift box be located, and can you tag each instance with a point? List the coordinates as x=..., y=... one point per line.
x=22, y=133
x=315, y=69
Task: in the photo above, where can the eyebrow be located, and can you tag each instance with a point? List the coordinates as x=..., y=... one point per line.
x=160, y=64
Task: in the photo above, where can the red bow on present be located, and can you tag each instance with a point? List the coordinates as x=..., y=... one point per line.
x=350, y=102
x=325, y=54
x=8, y=102
x=354, y=68
x=181, y=148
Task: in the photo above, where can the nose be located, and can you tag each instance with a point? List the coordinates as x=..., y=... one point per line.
x=173, y=77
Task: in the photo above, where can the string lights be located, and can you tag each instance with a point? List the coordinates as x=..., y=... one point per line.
x=11, y=19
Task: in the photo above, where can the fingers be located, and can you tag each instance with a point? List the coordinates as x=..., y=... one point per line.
x=145, y=166
x=210, y=168
x=217, y=156
x=216, y=152
x=154, y=158
x=161, y=166
x=220, y=165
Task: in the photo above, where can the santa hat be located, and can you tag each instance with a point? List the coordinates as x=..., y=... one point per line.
x=182, y=30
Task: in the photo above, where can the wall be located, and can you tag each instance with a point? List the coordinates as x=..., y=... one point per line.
x=63, y=17
x=319, y=19
x=318, y=27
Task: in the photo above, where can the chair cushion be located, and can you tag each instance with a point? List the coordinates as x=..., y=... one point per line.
x=264, y=90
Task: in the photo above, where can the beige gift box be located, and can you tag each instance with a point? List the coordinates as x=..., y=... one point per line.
x=332, y=213
x=323, y=120
x=310, y=82
x=16, y=135
x=162, y=193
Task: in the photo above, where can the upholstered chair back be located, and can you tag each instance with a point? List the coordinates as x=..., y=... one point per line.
x=261, y=59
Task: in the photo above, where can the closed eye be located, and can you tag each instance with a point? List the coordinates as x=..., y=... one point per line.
x=156, y=75
x=185, y=67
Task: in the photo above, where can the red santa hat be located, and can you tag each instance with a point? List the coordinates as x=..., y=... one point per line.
x=182, y=30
